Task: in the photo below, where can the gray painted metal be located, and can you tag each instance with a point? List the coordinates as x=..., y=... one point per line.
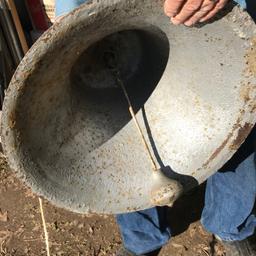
x=66, y=130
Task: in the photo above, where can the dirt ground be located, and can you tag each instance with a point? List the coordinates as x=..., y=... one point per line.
x=70, y=234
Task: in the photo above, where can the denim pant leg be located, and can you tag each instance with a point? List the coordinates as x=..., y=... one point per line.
x=144, y=231
x=229, y=201
x=66, y=6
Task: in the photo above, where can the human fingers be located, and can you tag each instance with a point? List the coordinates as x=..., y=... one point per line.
x=187, y=10
x=216, y=9
x=172, y=7
x=206, y=7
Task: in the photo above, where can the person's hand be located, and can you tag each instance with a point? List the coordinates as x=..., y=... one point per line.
x=189, y=12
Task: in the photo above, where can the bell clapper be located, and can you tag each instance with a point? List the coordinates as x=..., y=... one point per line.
x=154, y=166
x=166, y=190
x=112, y=65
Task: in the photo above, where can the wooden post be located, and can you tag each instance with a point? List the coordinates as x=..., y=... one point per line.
x=18, y=26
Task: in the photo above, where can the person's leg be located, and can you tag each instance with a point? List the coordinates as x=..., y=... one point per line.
x=230, y=196
x=144, y=231
x=229, y=201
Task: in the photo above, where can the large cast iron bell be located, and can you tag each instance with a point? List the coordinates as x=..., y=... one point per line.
x=66, y=128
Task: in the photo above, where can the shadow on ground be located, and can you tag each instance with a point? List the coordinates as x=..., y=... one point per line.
x=186, y=210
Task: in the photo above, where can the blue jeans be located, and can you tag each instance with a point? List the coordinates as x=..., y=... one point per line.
x=65, y=6
x=228, y=210
x=229, y=198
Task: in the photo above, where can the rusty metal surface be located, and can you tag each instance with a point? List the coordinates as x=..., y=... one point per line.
x=78, y=147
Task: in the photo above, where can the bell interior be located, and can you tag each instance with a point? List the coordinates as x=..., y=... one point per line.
x=74, y=109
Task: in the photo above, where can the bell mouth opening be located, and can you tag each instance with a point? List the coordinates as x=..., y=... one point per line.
x=70, y=109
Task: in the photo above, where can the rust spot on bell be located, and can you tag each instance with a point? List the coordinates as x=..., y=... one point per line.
x=243, y=132
x=217, y=151
x=241, y=136
x=12, y=120
x=245, y=92
x=251, y=58
x=253, y=109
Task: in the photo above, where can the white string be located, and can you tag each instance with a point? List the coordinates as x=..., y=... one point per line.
x=44, y=226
